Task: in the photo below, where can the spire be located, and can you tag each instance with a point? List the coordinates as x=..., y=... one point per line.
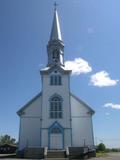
x=55, y=32
x=55, y=47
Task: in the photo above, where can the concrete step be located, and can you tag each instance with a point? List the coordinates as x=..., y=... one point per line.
x=56, y=158
x=56, y=154
x=34, y=153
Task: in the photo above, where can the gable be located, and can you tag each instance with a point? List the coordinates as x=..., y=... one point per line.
x=79, y=108
x=31, y=106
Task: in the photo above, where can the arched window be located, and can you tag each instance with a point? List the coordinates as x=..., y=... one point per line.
x=55, y=56
x=56, y=107
x=55, y=130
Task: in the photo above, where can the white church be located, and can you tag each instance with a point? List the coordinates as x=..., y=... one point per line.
x=55, y=118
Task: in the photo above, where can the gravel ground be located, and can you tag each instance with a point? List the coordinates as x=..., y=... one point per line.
x=110, y=156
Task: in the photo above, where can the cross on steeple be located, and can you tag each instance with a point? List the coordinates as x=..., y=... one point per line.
x=55, y=5
x=56, y=32
x=55, y=45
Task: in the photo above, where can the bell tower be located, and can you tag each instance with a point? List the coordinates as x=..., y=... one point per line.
x=55, y=47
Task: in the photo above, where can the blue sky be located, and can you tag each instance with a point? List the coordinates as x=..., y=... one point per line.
x=91, y=32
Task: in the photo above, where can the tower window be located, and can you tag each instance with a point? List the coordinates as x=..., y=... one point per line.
x=55, y=80
x=56, y=108
x=55, y=56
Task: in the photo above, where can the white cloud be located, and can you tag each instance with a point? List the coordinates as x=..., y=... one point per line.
x=102, y=79
x=111, y=105
x=78, y=66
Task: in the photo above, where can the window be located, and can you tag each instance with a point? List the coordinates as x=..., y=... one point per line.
x=56, y=108
x=55, y=80
x=56, y=130
x=55, y=56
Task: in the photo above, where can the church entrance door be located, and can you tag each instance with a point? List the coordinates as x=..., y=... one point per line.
x=56, y=141
x=56, y=136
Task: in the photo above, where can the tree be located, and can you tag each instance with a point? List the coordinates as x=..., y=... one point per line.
x=101, y=147
x=6, y=139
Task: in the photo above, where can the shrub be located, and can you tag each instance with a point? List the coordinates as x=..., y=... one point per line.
x=101, y=147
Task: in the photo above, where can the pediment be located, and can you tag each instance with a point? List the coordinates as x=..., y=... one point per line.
x=21, y=111
x=90, y=110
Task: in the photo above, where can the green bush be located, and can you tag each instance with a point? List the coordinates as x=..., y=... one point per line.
x=101, y=147
x=115, y=150
x=7, y=139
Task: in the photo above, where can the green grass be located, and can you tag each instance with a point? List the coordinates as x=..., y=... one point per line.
x=101, y=154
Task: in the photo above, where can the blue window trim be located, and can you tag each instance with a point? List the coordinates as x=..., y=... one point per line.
x=56, y=95
x=54, y=125
x=55, y=80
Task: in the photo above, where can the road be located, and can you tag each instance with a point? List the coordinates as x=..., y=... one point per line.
x=110, y=156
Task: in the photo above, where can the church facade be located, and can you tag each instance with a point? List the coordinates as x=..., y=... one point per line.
x=55, y=118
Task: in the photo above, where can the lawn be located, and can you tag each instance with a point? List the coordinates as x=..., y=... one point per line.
x=101, y=154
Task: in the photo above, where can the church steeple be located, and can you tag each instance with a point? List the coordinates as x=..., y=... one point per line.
x=55, y=47
x=56, y=32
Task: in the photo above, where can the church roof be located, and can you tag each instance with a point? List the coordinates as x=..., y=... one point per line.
x=56, y=32
x=21, y=111
x=82, y=102
x=51, y=68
